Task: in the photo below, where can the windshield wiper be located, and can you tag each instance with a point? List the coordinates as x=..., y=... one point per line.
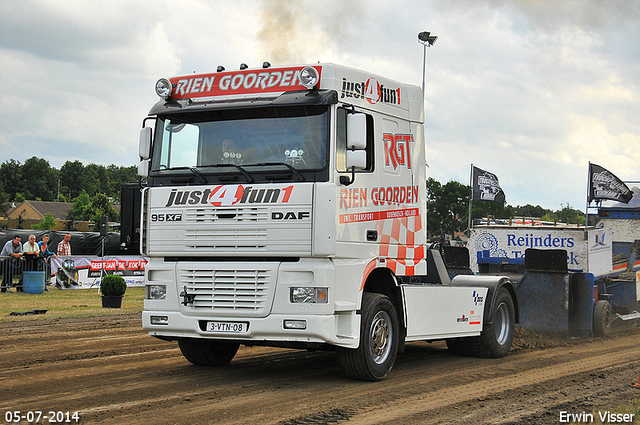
x=291, y=168
x=199, y=174
x=239, y=168
x=192, y=169
x=196, y=171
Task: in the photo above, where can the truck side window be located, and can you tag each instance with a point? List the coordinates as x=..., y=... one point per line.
x=341, y=142
x=179, y=146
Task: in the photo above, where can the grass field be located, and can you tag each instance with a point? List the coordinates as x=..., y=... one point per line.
x=66, y=303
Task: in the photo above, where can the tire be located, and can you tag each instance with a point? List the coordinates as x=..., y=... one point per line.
x=378, y=348
x=602, y=318
x=204, y=352
x=496, y=338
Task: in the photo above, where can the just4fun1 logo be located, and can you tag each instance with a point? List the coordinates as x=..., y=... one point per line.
x=371, y=90
x=226, y=196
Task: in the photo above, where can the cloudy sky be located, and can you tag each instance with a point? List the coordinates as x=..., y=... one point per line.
x=529, y=90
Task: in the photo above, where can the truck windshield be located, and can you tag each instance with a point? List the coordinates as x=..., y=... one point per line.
x=293, y=136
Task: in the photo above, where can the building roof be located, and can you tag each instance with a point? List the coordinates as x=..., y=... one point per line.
x=38, y=209
x=58, y=210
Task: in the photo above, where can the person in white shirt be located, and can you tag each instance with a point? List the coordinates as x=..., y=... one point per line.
x=31, y=252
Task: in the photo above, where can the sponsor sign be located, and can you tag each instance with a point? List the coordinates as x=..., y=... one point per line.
x=226, y=196
x=89, y=269
x=371, y=90
x=600, y=251
x=378, y=215
x=239, y=82
x=118, y=266
x=377, y=196
x=591, y=255
x=397, y=150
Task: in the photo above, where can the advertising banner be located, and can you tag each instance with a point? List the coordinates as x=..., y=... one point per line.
x=593, y=254
x=600, y=251
x=87, y=271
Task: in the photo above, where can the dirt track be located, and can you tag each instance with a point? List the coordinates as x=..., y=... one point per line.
x=111, y=372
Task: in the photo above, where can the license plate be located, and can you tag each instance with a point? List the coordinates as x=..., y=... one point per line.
x=228, y=327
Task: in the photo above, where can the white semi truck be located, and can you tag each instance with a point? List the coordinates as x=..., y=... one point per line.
x=286, y=207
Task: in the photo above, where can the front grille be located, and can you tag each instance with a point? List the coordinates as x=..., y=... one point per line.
x=235, y=229
x=227, y=291
x=225, y=238
x=226, y=215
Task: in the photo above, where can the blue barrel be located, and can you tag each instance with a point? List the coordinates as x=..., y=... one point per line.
x=33, y=282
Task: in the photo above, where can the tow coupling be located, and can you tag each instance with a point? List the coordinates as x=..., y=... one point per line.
x=187, y=298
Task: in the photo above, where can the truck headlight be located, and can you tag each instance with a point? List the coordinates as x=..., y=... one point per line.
x=163, y=88
x=309, y=295
x=156, y=292
x=295, y=324
x=309, y=77
x=159, y=320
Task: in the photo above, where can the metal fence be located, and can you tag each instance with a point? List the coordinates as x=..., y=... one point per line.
x=12, y=270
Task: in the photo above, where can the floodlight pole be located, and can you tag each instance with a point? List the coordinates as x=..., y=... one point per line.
x=427, y=40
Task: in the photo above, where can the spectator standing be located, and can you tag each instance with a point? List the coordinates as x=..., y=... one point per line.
x=64, y=247
x=44, y=248
x=12, y=250
x=30, y=246
x=45, y=254
x=31, y=252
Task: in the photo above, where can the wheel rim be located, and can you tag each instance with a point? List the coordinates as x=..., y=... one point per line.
x=502, y=324
x=381, y=337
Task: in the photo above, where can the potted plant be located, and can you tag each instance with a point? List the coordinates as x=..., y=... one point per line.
x=112, y=288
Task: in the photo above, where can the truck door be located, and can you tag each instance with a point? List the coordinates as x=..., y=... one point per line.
x=397, y=197
x=356, y=236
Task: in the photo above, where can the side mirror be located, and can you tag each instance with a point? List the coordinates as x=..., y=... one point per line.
x=356, y=154
x=143, y=168
x=356, y=131
x=357, y=160
x=144, y=148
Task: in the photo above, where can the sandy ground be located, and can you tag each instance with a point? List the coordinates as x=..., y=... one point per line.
x=110, y=372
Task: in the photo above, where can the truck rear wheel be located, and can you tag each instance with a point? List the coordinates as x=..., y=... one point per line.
x=496, y=338
x=602, y=318
x=379, y=332
x=204, y=352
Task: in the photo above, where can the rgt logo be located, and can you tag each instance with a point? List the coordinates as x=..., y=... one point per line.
x=397, y=150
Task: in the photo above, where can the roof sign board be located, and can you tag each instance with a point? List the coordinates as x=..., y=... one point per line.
x=276, y=80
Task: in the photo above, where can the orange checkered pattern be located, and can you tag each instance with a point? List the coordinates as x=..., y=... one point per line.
x=397, y=244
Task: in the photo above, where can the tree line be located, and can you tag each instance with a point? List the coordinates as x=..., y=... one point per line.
x=93, y=189
x=37, y=180
x=448, y=209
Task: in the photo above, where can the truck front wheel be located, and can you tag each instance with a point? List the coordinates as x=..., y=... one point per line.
x=496, y=338
x=204, y=352
x=379, y=332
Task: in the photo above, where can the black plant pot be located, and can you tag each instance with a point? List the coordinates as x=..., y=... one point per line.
x=114, y=301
